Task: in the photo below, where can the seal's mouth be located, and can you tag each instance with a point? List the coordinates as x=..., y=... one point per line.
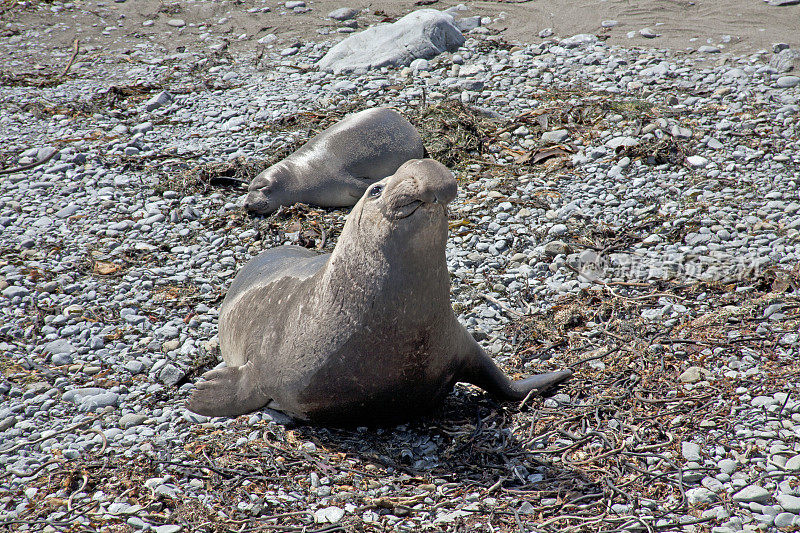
x=406, y=210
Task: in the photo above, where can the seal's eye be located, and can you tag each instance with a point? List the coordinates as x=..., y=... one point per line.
x=375, y=191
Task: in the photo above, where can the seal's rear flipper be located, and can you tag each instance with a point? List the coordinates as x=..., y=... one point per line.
x=484, y=373
x=228, y=391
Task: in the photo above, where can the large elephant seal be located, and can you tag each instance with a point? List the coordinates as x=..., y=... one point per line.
x=364, y=334
x=334, y=168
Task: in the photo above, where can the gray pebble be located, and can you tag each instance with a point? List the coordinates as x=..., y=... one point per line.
x=691, y=451
x=13, y=291
x=648, y=33
x=727, y=466
x=700, y=495
x=170, y=374
x=160, y=100
x=555, y=136
x=134, y=367
x=98, y=401
x=176, y=528
x=752, y=493
x=330, y=514
x=137, y=523
x=122, y=508
x=789, y=503
x=130, y=420
x=67, y=211
x=784, y=520
x=786, y=82
x=343, y=13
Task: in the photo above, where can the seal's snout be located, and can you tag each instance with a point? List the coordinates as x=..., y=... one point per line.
x=248, y=203
x=417, y=183
x=257, y=202
x=258, y=197
x=439, y=191
x=435, y=183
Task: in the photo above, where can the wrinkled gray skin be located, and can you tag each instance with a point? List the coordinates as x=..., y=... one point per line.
x=365, y=334
x=334, y=168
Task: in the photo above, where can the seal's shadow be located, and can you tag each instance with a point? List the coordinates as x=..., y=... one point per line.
x=470, y=439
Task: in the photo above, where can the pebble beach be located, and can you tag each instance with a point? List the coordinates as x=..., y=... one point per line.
x=630, y=213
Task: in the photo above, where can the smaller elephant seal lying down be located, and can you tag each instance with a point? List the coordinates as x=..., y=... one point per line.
x=365, y=334
x=334, y=168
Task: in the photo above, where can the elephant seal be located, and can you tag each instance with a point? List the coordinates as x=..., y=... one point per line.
x=363, y=335
x=334, y=168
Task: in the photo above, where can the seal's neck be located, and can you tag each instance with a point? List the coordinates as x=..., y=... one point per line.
x=387, y=276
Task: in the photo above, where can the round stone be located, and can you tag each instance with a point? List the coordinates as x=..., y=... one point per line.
x=691, y=451
x=130, y=420
x=727, y=466
x=752, y=493
x=793, y=464
x=783, y=520
x=788, y=503
x=700, y=495
x=343, y=13
x=787, y=82
x=330, y=514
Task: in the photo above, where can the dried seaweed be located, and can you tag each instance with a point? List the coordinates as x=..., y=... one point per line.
x=453, y=133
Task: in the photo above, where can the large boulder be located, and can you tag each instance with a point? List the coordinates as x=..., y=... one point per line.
x=425, y=33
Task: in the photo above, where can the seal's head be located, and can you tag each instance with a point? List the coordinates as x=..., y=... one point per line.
x=270, y=190
x=408, y=210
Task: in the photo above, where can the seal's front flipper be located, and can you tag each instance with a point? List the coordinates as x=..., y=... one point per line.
x=228, y=391
x=480, y=370
x=541, y=383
